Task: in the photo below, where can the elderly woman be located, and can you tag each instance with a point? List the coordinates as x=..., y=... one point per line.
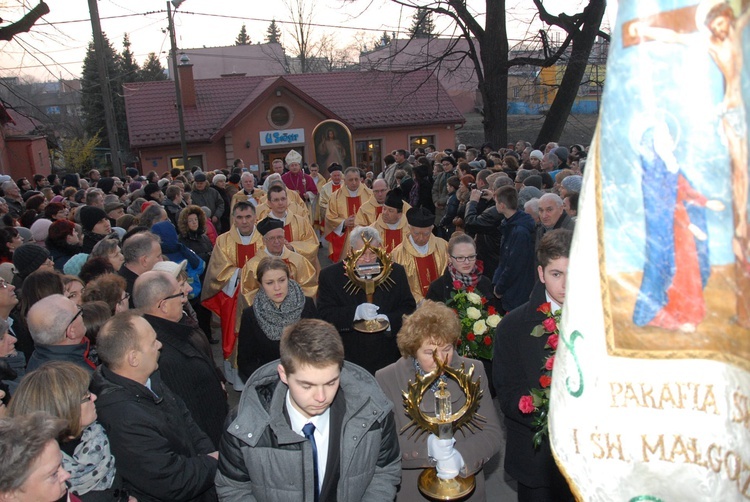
x=30, y=467
x=430, y=332
x=60, y=389
x=192, y=227
x=279, y=303
x=12, y=361
x=110, y=250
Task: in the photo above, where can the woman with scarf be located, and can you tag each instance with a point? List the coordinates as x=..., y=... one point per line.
x=60, y=389
x=278, y=303
x=432, y=331
x=463, y=271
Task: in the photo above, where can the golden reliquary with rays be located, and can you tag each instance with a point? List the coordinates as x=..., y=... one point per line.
x=445, y=423
x=367, y=277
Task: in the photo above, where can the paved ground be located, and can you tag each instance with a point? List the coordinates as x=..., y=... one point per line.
x=498, y=485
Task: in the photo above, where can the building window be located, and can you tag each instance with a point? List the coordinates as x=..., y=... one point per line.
x=53, y=110
x=280, y=116
x=420, y=141
x=369, y=155
x=192, y=161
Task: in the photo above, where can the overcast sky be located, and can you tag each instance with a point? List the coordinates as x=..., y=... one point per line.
x=56, y=46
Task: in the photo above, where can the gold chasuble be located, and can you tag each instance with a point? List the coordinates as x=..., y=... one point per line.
x=300, y=269
x=340, y=207
x=325, y=196
x=299, y=233
x=392, y=238
x=368, y=213
x=217, y=296
x=301, y=209
x=258, y=195
x=422, y=269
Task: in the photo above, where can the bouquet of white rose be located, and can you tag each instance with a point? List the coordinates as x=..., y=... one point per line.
x=477, y=323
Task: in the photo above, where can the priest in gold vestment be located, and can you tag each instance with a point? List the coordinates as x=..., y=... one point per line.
x=249, y=192
x=342, y=209
x=391, y=224
x=371, y=209
x=423, y=256
x=300, y=269
x=221, y=286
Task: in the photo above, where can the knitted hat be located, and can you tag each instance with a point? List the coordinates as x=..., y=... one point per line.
x=40, y=229
x=267, y=224
x=200, y=177
x=133, y=186
x=151, y=188
x=536, y=154
x=106, y=184
x=527, y=193
x=562, y=153
x=29, y=257
x=420, y=217
x=74, y=264
x=533, y=181
x=90, y=216
x=132, y=172
x=570, y=183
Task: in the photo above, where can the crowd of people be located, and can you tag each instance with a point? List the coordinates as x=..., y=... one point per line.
x=113, y=289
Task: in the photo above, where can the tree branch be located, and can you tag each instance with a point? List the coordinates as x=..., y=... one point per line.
x=25, y=23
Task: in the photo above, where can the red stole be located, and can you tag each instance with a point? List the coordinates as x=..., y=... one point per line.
x=337, y=241
x=288, y=232
x=335, y=187
x=426, y=271
x=392, y=239
x=353, y=204
x=245, y=252
x=378, y=211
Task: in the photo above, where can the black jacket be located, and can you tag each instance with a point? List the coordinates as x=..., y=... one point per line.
x=516, y=364
x=200, y=244
x=185, y=367
x=441, y=288
x=485, y=225
x=160, y=452
x=254, y=348
x=62, y=252
x=335, y=305
x=130, y=278
x=515, y=275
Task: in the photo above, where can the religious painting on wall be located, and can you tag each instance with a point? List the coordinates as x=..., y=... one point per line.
x=333, y=144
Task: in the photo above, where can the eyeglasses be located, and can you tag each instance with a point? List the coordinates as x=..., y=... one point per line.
x=181, y=294
x=125, y=297
x=3, y=284
x=462, y=259
x=86, y=398
x=78, y=314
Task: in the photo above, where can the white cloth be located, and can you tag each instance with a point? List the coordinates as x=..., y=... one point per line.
x=420, y=249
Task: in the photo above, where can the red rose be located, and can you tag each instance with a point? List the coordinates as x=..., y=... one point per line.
x=552, y=341
x=491, y=310
x=549, y=363
x=457, y=285
x=545, y=308
x=470, y=336
x=484, y=300
x=526, y=404
x=458, y=342
x=545, y=381
x=470, y=289
x=549, y=324
x=487, y=341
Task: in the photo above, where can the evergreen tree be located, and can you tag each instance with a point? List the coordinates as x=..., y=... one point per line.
x=273, y=34
x=385, y=39
x=152, y=69
x=242, y=38
x=91, y=95
x=128, y=65
x=422, y=25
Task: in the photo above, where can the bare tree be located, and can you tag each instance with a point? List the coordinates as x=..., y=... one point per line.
x=307, y=49
x=24, y=24
x=487, y=48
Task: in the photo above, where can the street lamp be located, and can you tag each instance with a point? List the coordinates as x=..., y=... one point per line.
x=178, y=91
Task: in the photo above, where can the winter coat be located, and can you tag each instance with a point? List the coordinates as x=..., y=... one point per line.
x=485, y=225
x=262, y=458
x=515, y=275
x=61, y=252
x=161, y=453
x=171, y=246
x=199, y=244
x=209, y=198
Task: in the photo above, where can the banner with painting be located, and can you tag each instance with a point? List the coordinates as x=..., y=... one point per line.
x=651, y=383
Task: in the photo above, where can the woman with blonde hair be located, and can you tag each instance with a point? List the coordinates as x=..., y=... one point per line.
x=60, y=389
x=431, y=331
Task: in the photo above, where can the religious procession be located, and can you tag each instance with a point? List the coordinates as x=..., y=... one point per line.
x=535, y=322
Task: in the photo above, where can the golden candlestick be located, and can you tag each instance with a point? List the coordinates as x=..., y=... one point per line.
x=367, y=278
x=444, y=424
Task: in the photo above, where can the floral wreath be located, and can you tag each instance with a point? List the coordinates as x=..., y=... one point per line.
x=537, y=401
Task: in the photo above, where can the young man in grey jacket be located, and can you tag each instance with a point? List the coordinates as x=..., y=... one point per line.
x=310, y=427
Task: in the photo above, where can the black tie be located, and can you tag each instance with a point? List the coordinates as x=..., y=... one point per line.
x=308, y=430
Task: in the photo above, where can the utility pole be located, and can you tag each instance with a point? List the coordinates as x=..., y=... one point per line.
x=177, y=90
x=109, y=108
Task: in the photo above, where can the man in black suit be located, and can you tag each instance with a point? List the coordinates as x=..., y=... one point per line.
x=390, y=302
x=517, y=359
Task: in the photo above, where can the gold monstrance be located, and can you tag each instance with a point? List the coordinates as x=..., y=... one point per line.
x=444, y=424
x=367, y=277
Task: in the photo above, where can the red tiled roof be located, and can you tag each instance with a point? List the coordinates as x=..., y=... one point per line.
x=363, y=100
